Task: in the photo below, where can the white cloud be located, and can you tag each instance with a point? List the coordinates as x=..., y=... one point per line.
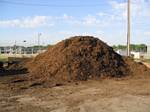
x=117, y=5
x=98, y=20
x=67, y=17
x=10, y=23
x=27, y=22
x=101, y=14
x=73, y=33
x=90, y=20
x=147, y=33
x=67, y=33
x=138, y=8
x=37, y=21
x=116, y=15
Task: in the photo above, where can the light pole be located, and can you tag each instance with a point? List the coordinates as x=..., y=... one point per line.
x=15, y=49
x=39, y=48
x=128, y=27
x=24, y=46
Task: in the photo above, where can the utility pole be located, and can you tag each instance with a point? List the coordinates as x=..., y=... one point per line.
x=128, y=27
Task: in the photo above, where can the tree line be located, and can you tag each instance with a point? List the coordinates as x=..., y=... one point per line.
x=133, y=47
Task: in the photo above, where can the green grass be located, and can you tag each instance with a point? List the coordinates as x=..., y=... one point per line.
x=147, y=60
x=143, y=60
x=3, y=58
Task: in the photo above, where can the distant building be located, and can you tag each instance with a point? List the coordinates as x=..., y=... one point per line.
x=147, y=54
x=122, y=52
x=20, y=50
x=6, y=50
x=148, y=49
x=136, y=55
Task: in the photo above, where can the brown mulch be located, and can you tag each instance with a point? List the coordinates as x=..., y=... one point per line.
x=78, y=58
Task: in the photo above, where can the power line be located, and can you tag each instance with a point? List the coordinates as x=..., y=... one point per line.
x=48, y=5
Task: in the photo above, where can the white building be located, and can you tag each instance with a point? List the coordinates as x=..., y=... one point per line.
x=147, y=55
x=137, y=55
x=148, y=49
x=122, y=52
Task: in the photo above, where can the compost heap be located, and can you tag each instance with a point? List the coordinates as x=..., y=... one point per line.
x=78, y=58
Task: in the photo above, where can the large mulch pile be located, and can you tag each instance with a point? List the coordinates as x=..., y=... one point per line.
x=78, y=58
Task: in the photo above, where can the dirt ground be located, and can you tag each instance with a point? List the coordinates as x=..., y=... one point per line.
x=107, y=95
x=147, y=64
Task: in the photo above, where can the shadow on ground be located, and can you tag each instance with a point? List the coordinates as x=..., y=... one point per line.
x=5, y=72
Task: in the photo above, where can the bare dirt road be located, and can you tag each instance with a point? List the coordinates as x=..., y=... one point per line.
x=109, y=95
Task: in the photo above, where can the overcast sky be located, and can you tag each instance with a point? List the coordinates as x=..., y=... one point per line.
x=59, y=19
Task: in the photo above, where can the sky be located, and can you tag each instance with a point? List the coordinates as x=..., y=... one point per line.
x=60, y=19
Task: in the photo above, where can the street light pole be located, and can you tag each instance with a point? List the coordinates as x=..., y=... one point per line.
x=24, y=50
x=15, y=48
x=128, y=28
x=39, y=49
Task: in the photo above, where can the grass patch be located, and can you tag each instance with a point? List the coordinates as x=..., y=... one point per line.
x=146, y=60
x=3, y=58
